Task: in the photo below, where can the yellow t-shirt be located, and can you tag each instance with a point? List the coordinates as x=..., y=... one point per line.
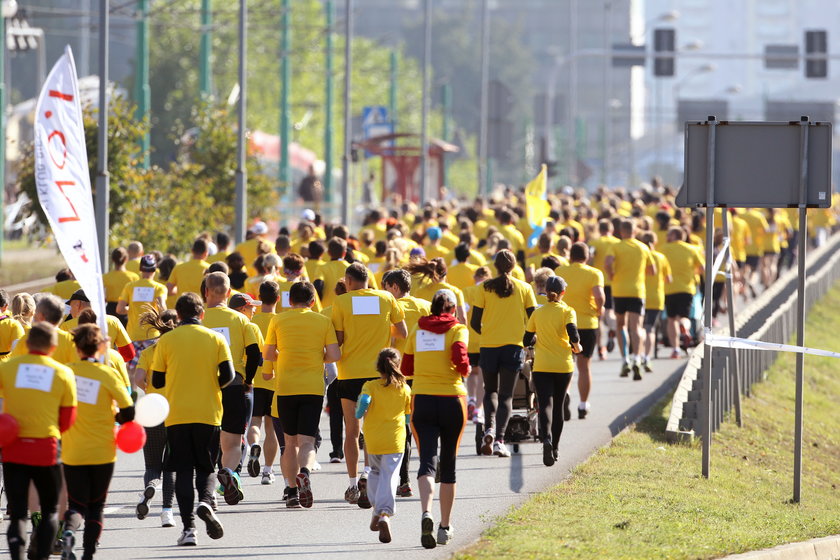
x=655, y=284
x=262, y=321
x=513, y=235
x=64, y=353
x=758, y=229
x=64, y=289
x=427, y=291
x=133, y=265
x=140, y=296
x=300, y=336
x=503, y=320
x=552, y=352
x=600, y=249
x=384, y=425
x=220, y=256
x=117, y=363
x=461, y=275
x=11, y=332
x=190, y=355
x=91, y=441
x=684, y=260
x=116, y=332
x=248, y=250
x=283, y=304
x=331, y=272
x=632, y=258
x=739, y=238
x=33, y=388
x=235, y=329
x=435, y=251
x=413, y=308
x=144, y=363
x=187, y=276
x=114, y=283
x=581, y=279
x=536, y=260
x=475, y=339
x=365, y=317
x=434, y=373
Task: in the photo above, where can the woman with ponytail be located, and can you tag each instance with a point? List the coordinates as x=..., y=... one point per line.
x=436, y=357
x=500, y=312
x=428, y=277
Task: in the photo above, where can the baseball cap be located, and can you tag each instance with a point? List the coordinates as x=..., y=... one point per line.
x=260, y=228
x=78, y=295
x=241, y=300
x=308, y=214
x=555, y=284
x=417, y=252
x=148, y=263
x=434, y=233
x=449, y=295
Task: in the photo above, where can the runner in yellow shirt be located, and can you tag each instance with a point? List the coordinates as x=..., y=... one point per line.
x=654, y=298
x=115, y=280
x=65, y=284
x=50, y=308
x=116, y=332
x=430, y=276
x=11, y=331
x=434, y=248
x=187, y=276
x=686, y=262
x=222, y=248
x=329, y=272
x=461, y=273
x=600, y=248
x=135, y=251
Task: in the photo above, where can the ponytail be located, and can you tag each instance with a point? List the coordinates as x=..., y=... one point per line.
x=435, y=269
x=162, y=321
x=502, y=285
x=388, y=366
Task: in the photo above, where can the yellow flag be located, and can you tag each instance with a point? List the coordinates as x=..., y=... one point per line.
x=536, y=206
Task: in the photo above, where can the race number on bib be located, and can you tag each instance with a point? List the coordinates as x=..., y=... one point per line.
x=284, y=300
x=33, y=376
x=87, y=390
x=429, y=342
x=224, y=331
x=365, y=305
x=143, y=294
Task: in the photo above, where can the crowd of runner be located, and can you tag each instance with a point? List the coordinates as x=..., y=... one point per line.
x=407, y=330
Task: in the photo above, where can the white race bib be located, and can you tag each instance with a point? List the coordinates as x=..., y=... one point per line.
x=33, y=376
x=429, y=342
x=284, y=300
x=143, y=294
x=374, y=267
x=87, y=390
x=224, y=331
x=365, y=305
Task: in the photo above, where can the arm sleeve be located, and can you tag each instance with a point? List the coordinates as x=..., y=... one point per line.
x=529, y=339
x=571, y=330
x=407, y=365
x=226, y=374
x=158, y=379
x=475, y=320
x=66, y=418
x=460, y=359
x=127, y=352
x=125, y=415
x=253, y=360
x=362, y=405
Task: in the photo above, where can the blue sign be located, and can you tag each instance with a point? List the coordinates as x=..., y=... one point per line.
x=375, y=122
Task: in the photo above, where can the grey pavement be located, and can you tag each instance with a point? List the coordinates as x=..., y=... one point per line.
x=262, y=527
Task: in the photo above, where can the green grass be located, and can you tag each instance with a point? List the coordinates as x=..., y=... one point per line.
x=23, y=262
x=643, y=498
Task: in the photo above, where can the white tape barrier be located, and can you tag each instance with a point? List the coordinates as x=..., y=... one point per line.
x=719, y=341
x=721, y=254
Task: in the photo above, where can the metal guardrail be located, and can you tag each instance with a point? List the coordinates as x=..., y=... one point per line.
x=770, y=318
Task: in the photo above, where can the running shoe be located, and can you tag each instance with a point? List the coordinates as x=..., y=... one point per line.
x=316, y=466
x=611, y=341
x=500, y=449
x=675, y=354
x=167, y=519
x=363, y=501
x=68, y=543
x=267, y=478
x=479, y=416
x=404, y=490
x=488, y=446
x=374, y=522
x=304, y=490
x=384, y=529
x=548, y=453
x=254, y=461
x=351, y=495
x=142, y=509
x=286, y=491
x=214, y=503
x=293, y=501
x=583, y=410
x=471, y=409
x=685, y=338
x=646, y=366
x=444, y=534
x=187, y=538
x=334, y=458
x=427, y=527
x=637, y=372
x=232, y=488
x=625, y=370
x=214, y=526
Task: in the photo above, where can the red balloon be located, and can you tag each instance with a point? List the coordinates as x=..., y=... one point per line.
x=131, y=437
x=9, y=429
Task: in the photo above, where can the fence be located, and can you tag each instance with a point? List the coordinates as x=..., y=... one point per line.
x=770, y=318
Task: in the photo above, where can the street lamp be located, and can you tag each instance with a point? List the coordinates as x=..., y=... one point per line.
x=8, y=9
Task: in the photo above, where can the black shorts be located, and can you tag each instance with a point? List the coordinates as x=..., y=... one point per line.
x=651, y=319
x=300, y=414
x=608, y=299
x=628, y=305
x=508, y=357
x=350, y=388
x=678, y=305
x=474, y=358
x=262, y=401
x=237, y=405
x=192, y=446
x=752, y=261
x=588, y=341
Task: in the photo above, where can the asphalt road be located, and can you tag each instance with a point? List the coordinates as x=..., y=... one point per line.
x=262, y=527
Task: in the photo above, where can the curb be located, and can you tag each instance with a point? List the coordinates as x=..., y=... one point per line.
x=826, y=548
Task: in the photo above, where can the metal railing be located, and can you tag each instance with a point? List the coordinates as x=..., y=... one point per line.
x=769, y=318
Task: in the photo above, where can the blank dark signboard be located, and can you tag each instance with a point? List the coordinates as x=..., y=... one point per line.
x=757, y=164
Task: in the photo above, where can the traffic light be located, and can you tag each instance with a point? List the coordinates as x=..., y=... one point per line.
x=816, y=51
x=664, y=41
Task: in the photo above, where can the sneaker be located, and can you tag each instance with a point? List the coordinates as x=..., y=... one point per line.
x=316, y=466
x=548, y=453
x=254, y=461
x=58, y=543
x=384, y=529
x=293, y=501
x=167, y=518
x=602, y=353
x=286, y=492
x=685, y=338
x=214, y=503
x=444, y=534
x=363, y=501
x=567, y=408
x=487, y=447
x=500, y=449
x=68, y=542
x=267, y=478
x=427, y=526
x=232, y=487
x=479, y=416
x=646, y=366
x=220, y=490
x=304, y=490
x=637, y=372
x=404, y=490
x=142, y=509
x=374, y=522
x=351, y=495
x=625, y=370
x=187, y=538
x=335, y=459
x=675, y=354
x=471, y=409
x=611, y=341
x=582, y=412
x=214, y=526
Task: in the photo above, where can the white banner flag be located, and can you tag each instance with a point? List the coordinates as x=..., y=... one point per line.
x=63, y=179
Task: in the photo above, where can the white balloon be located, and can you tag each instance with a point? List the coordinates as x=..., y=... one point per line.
x=151, y=410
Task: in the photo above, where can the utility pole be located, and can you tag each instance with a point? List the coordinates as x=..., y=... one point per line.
x=571, y=139
x=348, y=133
x=483, y=175
x=392, y=94
x=142, y=94
x=285, y=108
x=241, y=197
x=446, y=101
x=607, y=124
x=102, y=177
x=205, y=82
x=2, y=130
x=427, y=56
x=329, y=10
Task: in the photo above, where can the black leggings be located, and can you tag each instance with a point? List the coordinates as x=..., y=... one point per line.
x=47, y=481
x=336, y=421
x=500, y=368
x=551, y=389
x=154, y=456
x=87, y=488
x=406, y=456
x=436, y=418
